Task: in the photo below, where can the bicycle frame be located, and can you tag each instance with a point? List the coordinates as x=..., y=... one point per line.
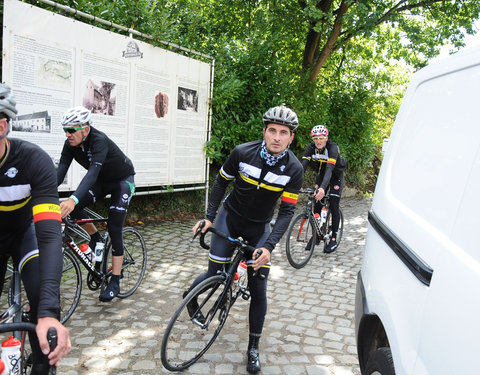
x=309, y=210
x=15, y=320
x=242, y=248
x=90, y=266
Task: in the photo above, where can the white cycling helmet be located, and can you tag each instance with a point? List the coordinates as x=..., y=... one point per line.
x=8, y=110
x=281, y=115
x=77, y=116
x=7, y=103
x=319, y=131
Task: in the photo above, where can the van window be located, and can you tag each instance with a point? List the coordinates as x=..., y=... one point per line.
x=432, y=160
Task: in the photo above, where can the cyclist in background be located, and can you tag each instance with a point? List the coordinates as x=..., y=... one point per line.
x=31, y=233
x=109, y=171
x=324, y=156
x=263, y=172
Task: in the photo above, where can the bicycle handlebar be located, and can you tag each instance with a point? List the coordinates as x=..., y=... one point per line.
x=25, y=326
x=240, y=243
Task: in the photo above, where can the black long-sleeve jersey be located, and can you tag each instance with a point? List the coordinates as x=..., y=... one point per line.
x=102, y=158
x=28, y=191
x=324, y=162
x=257, y=188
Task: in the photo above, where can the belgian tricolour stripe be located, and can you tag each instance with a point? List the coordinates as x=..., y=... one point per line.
x=289, y=197
x=46, y=211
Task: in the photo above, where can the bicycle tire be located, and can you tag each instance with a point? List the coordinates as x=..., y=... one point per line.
x=184, y=341
x=329, y=229
x=300, y=232
x=70, y=286
x=134, y=261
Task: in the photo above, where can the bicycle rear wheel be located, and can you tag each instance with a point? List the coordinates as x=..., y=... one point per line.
x=186, y=339
x=134, y=261
x=329, y=229
x=300, y=241
x=70, y=286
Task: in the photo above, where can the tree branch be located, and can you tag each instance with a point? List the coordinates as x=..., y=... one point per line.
x=329, y=46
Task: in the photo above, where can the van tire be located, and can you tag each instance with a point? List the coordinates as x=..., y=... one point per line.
x=380, y=363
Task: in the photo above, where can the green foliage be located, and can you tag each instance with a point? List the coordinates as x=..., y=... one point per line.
x=345, y=64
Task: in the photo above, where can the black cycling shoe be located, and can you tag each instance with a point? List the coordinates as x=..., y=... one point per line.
x=253, y=364
x=331, y=247
x=110, y=292
x=193, y=311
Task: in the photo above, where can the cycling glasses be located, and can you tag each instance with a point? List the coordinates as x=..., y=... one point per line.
x=319, y=138
x=71, y=130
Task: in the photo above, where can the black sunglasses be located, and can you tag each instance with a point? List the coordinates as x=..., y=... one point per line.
x=71, y=130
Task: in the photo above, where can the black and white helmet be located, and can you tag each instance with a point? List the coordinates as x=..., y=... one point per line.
x=77, y=116
x=281, y=115
x=7, y=103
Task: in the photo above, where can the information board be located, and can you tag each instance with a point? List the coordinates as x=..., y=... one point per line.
x=152, y=102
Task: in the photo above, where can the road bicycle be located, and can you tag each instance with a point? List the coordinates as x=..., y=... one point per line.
x=14, y=320
x=305, y=231
x=189, y=335
x=98, y=273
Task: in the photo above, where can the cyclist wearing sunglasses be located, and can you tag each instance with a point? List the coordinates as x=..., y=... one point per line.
x=262, y=172
x=324, y=156
x=109, y=171
x=30, y=233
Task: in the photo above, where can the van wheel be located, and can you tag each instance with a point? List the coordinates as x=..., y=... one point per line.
x=380, y=363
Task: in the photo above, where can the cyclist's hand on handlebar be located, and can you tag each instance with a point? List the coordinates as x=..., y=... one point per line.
x=319, y=194
x=63, y=339
x=201, y=225
x=261, y=260
x=67, y=207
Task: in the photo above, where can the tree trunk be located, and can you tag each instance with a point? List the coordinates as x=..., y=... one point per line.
x=331, y=44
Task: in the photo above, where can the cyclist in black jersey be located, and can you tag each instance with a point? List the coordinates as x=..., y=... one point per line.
x=263, y=172
x=109, y=171
x=324, y=156
x=31, y=233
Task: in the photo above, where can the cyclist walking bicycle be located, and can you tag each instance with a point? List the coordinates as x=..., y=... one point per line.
x=263, y=171
x=109, y=171
x=324, y=156
x=31, y=233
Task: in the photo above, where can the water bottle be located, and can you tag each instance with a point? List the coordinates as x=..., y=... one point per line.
x=99, y=251
x=323, y=215
x=241, y=274
x=11, y=355
x=318, y=219
x=85, y=249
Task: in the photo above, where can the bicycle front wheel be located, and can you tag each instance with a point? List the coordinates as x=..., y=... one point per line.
x=196, y=323
x=329, y=229
x=300, y=241
x=134, y=261
x=70, y=286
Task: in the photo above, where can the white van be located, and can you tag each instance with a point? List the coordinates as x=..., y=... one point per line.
x=418, y=291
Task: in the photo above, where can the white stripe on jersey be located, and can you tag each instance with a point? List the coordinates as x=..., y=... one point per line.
x=14, y=193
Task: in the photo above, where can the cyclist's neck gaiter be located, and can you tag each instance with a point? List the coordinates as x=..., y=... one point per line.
x=271, y=160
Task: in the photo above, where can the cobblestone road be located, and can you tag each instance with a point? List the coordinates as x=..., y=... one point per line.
x=309, y=327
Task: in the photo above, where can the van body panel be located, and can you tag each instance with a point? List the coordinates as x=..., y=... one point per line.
x=428, y=198
x=390, y=301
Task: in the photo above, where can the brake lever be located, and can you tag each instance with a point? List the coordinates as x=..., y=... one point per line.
x=257, y=273
x=202, y=235
x=199, y=230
